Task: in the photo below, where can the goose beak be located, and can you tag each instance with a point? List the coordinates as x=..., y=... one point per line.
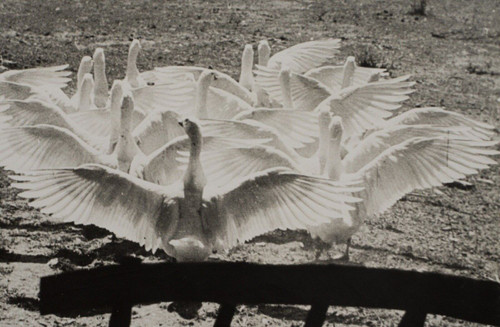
x=180, y=124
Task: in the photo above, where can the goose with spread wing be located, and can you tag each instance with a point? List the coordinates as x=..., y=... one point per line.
x=389, y=163
x=45, y=145
x=189, y=219
x=395, y=161
x=301, y=57
x=224, y=82
x=170, y=93
x=362, y=107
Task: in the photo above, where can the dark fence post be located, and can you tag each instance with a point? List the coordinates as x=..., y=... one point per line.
x=121, y=315
x=225, y=315
x=413, y=318
x=317, y=315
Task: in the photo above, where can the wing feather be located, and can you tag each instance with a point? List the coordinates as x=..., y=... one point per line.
x=441, y=117
x=54, y=76
x=163, y=96
x=43, y=146
x=273, y=199
x=101, y=196
x=362, y=107
x=305, y=56
x=417, y=163
x=156, y=130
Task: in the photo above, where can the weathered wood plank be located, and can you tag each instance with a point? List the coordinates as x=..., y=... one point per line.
x=97, y=289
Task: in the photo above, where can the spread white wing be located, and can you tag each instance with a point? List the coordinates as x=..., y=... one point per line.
x=157, y=129
x=441, y=117
x=162, y=96
x=16, y=91
x=272, y=199
x=332, y=76
x=53, y=77
x=33, y=112
x=43, y=146
x=101, y=196
x=419, y=163
x=296, y=128
x=305, y=56
x=365, y=107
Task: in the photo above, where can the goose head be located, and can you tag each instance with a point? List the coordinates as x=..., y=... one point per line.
x=284, y=77
x=85, y=95
x=246, y=77
x=190, y=249
x=264, y=52
x=132, y=74
x=84, y=68
x=323, y=123
x=334, y=161
x=204, y=81
x=115, y=114
x=349, y=67
x=101, y=83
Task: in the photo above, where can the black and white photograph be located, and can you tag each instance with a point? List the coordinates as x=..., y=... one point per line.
x=250, y=163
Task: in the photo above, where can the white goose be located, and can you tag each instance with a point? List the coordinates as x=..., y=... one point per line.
x=393, y=162
x=295, y=128
x=189, y=219
x=224, y=83
x=361, y=107
x=147, y=98
x=390, y=163
x=138, y=79
x=49, y=146
x=82, y=99
x=34, y=111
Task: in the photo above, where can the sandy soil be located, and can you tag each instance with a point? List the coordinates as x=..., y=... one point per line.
x=453, y=54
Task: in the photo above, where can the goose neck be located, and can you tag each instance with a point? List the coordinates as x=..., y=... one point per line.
x=132, y=73
x=85, y=93
x=349, y=67
x=333, y=164
x=201, y=98
x=194, y=179
x=284, y=78
x=246, y=77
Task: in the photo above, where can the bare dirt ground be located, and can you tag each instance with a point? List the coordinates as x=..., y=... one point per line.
x=453, y=54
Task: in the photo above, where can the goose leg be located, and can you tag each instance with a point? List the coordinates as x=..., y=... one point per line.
x=345, y=256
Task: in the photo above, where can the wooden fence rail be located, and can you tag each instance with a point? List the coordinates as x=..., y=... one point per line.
x=117, y=288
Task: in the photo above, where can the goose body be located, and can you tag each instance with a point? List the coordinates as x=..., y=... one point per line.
x=188, y=219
